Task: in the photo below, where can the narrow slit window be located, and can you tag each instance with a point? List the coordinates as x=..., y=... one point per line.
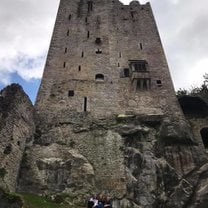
x=85, y=104
x=141, y=46
x=65, y=50
x=118, y=64
x=86, y=20
x=90, y=6
x=67, y=33
x=82, y=54
x=64, y=65
x=79, y=68
x=88, y=34
x=69, y=17
x=119, y=54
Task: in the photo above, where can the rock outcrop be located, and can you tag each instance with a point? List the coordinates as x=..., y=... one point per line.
x=141, y=161
x=16, y=129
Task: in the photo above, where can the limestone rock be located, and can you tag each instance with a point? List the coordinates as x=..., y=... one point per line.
x=16, y=131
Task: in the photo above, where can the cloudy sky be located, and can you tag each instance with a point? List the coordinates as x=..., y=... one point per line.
x=26, y=27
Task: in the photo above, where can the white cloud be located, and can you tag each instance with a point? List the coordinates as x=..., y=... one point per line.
x=25, y=31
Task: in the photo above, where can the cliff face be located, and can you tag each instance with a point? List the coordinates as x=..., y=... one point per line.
x=16, y=129
x=141, y=161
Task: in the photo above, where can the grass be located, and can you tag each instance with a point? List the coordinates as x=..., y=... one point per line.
x=34, y=201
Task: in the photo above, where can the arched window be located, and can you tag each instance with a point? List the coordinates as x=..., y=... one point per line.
x=204, y=135
x=99, y=77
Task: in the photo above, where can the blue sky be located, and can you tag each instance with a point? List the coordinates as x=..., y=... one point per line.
x=27, y=25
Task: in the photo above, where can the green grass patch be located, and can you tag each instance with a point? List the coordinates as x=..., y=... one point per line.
x=34, y=201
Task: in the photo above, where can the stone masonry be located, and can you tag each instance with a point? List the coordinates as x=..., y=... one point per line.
x=106, y=116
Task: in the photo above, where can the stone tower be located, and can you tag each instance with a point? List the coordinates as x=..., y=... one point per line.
x=106, y=58
x=107, y=118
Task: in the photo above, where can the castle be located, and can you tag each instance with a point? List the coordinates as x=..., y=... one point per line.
x=106, y=119
x=106, y=58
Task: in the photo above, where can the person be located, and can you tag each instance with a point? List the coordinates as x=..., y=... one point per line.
x=108, y=203
x=95, y=201
x=91, y=202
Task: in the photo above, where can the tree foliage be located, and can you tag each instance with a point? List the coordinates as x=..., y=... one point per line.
x=201, y=91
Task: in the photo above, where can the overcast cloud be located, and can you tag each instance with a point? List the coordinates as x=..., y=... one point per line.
x=26, y=27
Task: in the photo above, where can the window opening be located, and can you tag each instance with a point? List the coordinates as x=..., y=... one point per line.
x=143, y=84
x=64, y=65
x=82, y=54
x=79, y=68
x=90, y=5
x=65, y=50
x=141, y=46
x=99, y=51
x=204, y=136
x=71, y=93
x=67, y=33
x=126, y=72
x=99, y=77
x=70, y=17
x=140, y=65
x=98, y=41
x=85, y=104
x=86, y=20
x=132, y=15
x=88, y=34
x=119, y=54
x=118, y=65
x=159, y=83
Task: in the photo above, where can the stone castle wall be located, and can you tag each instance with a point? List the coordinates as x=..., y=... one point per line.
x=126, y=32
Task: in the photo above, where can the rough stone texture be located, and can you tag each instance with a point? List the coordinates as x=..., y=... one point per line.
x=107, y=135
x=124, y=156
x=134, y=145
x=16, y=129
x=9, y=201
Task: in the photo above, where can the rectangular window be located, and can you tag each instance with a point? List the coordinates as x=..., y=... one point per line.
x=65, y=50
x=71, y=93
x=82, y=54
x=64, y=65
x=88, y=34
x=138, y=65
x=159, y=83
x=143, y=84
x=67, y=33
